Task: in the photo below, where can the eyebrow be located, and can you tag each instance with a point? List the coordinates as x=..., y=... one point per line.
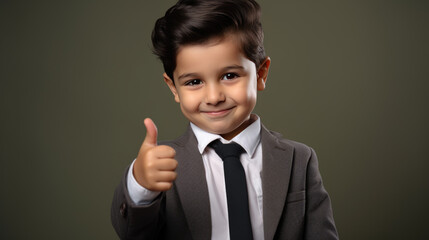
x=195, y=75
x=233, y=67
x=186, y=75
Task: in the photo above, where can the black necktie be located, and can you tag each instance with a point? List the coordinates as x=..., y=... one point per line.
x=240, y=227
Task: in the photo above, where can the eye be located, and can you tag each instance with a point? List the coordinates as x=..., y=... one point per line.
x=229, y=76
x=193, y=82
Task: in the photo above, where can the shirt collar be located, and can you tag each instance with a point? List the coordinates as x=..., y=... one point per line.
x=248, y=139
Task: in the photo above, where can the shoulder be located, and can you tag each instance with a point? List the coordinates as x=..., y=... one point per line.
x=187, y=138
x=301, y=150
x=174, y=143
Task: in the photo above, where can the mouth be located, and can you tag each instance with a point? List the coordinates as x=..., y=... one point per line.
x=218, y=113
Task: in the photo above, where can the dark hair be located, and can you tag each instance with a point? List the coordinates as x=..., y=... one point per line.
x=197, y=21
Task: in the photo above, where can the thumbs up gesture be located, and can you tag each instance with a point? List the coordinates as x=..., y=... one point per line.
x=155, y=165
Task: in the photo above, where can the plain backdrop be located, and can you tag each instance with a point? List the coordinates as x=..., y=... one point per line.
x=348, y=78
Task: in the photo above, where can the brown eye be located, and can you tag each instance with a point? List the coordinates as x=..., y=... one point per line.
x=229, y=76
x=193, y=82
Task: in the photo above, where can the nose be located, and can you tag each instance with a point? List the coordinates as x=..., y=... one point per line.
x=214, y=94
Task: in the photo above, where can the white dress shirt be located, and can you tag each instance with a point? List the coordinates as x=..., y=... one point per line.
x=249, y=139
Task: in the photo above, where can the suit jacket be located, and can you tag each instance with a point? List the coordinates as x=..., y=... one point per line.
x=295, y=203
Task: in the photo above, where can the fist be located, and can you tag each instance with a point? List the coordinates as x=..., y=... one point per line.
x=155, y=165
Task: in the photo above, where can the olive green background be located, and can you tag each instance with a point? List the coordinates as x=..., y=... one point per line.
x=349, y=78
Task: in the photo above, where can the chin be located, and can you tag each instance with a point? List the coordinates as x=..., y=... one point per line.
x=223, y=131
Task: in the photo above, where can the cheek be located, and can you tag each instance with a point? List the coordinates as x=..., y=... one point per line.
x=245, y=96
x=189, y=101
x=251, y=94
x=248, y=96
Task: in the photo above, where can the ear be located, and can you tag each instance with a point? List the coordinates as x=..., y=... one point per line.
x=263, y=73
x=172, y=87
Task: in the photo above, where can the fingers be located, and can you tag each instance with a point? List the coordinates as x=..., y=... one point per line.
x=151, y=132
x=165, y=164
x=162, y=186
x=161, y=151
x=159, y=175
x=165, y=177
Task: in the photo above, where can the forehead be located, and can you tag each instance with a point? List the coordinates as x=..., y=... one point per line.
x=215, y=53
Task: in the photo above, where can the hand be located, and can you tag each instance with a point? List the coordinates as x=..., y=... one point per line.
x=155, y=165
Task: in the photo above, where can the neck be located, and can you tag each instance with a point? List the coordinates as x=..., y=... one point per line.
x=239, y=129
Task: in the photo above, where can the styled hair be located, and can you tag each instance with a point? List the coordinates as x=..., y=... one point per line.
x=198, y=21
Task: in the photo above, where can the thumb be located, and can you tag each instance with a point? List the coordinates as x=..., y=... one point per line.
x=151, y=132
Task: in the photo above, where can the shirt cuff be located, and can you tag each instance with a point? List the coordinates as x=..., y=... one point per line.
x=139, y=195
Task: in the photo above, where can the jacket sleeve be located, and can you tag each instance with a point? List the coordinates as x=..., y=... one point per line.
x=132, y=221
x=319, y=222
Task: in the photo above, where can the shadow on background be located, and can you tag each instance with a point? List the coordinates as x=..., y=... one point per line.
x=78, y=78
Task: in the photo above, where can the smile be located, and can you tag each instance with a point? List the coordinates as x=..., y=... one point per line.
x=218, y=113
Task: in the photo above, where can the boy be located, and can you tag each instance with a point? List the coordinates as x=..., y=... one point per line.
x=188, y=188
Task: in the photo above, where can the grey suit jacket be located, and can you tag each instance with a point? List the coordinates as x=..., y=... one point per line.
x=295, y=203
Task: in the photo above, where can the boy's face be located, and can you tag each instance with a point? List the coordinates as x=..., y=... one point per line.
x=216, y=85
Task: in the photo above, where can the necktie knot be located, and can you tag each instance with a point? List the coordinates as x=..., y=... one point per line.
x=229, y=150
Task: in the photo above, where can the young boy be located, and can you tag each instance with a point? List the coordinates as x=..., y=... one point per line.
x=214, y=62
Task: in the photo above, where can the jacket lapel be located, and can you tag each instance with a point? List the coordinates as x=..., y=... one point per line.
x=276, y=170
x=191, y=186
